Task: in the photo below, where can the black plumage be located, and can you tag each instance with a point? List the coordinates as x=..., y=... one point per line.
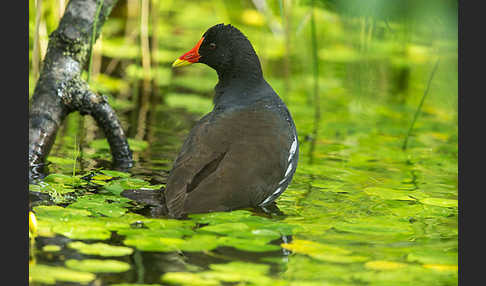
x=245, y=151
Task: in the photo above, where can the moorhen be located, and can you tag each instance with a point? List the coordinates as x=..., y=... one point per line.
x=245, y=151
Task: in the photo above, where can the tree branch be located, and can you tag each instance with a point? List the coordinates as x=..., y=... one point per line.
x=60, y=89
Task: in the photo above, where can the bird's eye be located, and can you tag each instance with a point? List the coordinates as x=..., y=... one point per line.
x=212, y=46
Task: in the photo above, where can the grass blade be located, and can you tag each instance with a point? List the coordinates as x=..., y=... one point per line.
x=419, y=108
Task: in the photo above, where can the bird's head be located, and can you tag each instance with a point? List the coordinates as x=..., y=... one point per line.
x=221, y=47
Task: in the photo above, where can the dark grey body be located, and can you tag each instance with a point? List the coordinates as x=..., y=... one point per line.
x=236, y=156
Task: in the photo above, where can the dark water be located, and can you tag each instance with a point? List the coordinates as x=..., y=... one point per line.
x=364, y=213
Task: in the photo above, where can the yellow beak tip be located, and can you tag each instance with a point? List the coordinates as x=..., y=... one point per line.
x=180, y=63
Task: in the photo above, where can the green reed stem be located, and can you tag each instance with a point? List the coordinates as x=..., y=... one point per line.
x=35, y=52
x=93, y=38
x=419, y=108
x=315, y=70
x=76, y=153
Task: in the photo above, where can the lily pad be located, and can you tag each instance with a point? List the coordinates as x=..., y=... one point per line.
x=101, y=204
x=431, y=256
x=388, y=194
x=52, y=274
x=101, y=249
x=98, y=266
x=447, y=203
x=113, y=173
x=51, y=248
x=76, y=231
x=384, y=265
x=324, y=252
x=220, y=274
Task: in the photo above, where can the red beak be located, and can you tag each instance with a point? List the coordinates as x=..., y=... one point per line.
x=190, y=57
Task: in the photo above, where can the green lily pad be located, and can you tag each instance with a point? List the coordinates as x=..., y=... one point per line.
x=113, y=187
x=133, y=284
x=188, y=278
x=247, y=244
x=77, y=231
x=324, y=252
x=447, y=203
x=388, y=194
x=51, y=248
x=154, y=243
x=113, y=173
x=64, y=179
x=134, y=183
x=384, y=265
x=245, y=273
x=61, y=161
x=376, y=225
x=101, y=249
x=220, y=217
x=98, y=266
x=101, y=177
x=110, y=206
x=53, y=189
x=51, y=274
x=57, y=212
x=433, y=257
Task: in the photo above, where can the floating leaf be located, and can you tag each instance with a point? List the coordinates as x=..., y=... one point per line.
x=376, y=225
x=114, y=188
x=247, y=273
x=188, y=278
x=433, y=257
x=447, y=203
x=101, y=249
x=64, y=179
x=51, y=274
x=133, y=284
x=441, y=267
x=101, y=177
x=323, y=252
x=134, y=183
x=99, y=204
x=253, y=245
x=51, y=248
x=154, y=243
x=388, y=194
x=61, y=161
x=76, y=231
x=384, y=265
x=97, y=266
x=113, y=173
x=55, y=212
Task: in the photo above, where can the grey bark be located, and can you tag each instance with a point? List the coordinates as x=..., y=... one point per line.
x=60, y=89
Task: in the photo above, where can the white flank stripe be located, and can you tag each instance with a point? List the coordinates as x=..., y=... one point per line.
x=292, y=150
x=271, y=196
x=277, y=191
x=288, y=170
x=293, y=147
